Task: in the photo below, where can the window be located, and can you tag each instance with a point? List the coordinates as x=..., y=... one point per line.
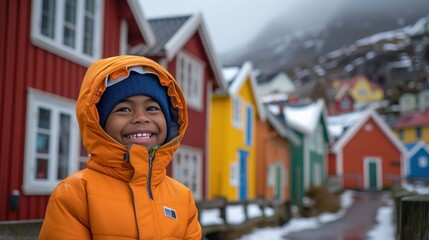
x=345, y=104
x=362, y=91
x=69, y=28
x=418, y=132
x=190, y=76
x=423, y=162
x=187, y=166
x=249, y=125
x=52, y=149
x=237, y=117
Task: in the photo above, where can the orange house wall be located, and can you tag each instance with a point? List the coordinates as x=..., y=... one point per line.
x=270, y=148
x=369, y=144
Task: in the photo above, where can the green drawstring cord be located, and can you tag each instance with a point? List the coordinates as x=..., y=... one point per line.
x=149, y=175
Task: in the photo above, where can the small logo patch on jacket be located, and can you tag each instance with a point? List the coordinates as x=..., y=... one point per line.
x=171, y=213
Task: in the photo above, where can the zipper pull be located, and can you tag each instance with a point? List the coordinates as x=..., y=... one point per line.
x=127, y=154
x=152, y=152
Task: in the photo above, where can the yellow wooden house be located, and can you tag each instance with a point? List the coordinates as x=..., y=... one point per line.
x=361, y=89
x=232, y=136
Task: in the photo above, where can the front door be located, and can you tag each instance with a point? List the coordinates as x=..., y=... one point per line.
x=243, y=175
x=372, y=173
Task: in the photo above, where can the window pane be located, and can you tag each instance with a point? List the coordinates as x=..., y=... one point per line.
x=42, y=143
x=41, y=168
x=88, y=31
x=70, y=23
x=64, y=146
x=90, y=6
x=48, y=18
x=88, y=36
x=44, y=118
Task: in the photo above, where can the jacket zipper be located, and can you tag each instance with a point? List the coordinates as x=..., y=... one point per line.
x=149, y=174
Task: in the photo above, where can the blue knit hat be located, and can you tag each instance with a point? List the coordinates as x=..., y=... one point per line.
x=135, y=84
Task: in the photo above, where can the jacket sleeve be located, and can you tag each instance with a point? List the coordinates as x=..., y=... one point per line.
x=194, y=230
x=66, y=214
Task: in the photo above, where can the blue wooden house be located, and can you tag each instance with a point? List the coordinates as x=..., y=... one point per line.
x=417, y=163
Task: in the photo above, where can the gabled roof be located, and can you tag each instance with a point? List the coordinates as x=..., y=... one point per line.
x=412, y=119
x=237, y=80
x=413, y=148
x=305, y=118
x=142, y=23
x=278, y=123
x=280, y=83
x=338, y=124
x=164, y=30
x=172, y=33
x=366, y=115
x=354, y=80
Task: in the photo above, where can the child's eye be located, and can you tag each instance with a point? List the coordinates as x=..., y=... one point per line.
x=153, y=108
x=123, y=109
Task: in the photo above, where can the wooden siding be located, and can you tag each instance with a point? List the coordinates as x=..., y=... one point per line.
x=23, y=65
x=270, y=148
x=196, y=133
x=375, y=144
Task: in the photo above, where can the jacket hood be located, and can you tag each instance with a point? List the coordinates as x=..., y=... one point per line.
x=106, y=154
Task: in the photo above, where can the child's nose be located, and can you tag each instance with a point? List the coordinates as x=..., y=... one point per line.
x=140, y=117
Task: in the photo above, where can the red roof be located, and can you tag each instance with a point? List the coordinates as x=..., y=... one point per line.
x=413, y=119
x=351, y=82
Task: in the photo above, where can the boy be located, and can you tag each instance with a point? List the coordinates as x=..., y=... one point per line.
x=132, y=116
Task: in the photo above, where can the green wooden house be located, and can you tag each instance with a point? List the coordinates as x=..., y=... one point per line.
x=308, y=159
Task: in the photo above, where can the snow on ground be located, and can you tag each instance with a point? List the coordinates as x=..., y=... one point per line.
x=385, y=227
x=297, y=224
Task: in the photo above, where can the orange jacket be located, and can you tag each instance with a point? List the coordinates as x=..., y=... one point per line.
x=110, y=199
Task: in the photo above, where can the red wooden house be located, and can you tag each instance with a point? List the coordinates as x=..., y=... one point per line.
x=46, y=48
x=342, y=102
x=183, y=47
x=368, y=155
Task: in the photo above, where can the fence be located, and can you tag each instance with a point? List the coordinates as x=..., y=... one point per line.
x=222, y=219
x=411, y=214
x=27, y=230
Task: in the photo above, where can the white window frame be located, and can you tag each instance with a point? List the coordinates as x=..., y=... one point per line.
x=57, y=105
x=237, y=112
x=188, y=172
x=55, y=44
x=191, y=83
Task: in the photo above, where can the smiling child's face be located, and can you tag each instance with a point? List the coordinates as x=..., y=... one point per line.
x=137, y=120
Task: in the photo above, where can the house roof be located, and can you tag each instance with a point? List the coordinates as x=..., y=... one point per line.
x=353, y=81
x=277, y=121
x=236, y=77
x=357, y=125
x=412, y=148
x=280, y=83
x=172, y=33
x=164, y=29
x=338, y=124
x=412, y=119
x=304, y=118
x=142, y=23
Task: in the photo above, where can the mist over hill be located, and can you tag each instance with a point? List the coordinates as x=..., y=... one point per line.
x=299, y=37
